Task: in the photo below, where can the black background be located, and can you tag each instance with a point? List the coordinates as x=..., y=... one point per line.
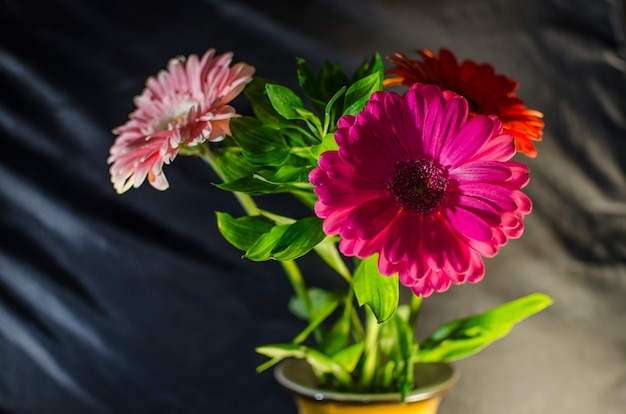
x=134, y=303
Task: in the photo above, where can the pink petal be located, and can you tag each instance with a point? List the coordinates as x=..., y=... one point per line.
x=470, y=138
x=496, y=195
x=482, y=171
x=371, y=217
x=468, y=224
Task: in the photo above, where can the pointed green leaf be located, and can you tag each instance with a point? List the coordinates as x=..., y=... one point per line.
x=328, y=144
x=317, y=297
x=359, y=93
x=464, y=337
x=322, y=364
x=243, y=232
x=327, y=251
x=327, y=307
x=261, y=144
x=338, y=336
x=287, y=174
x=299, y=238
x=332, y=111
x=262, y=249
x=309, y=84
x=278, y=353
x=321, y=88
x=373, y=65
x=289, y=241
x=253, y=184
x=284, y=101
x=349, y=357
x=234, y=166
x=261, y=105
x=379, y=292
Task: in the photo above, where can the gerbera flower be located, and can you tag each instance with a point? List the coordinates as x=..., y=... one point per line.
x=183, y=105
x=429, y=190
x=488, y=93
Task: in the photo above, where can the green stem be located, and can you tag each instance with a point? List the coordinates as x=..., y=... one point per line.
x=249, y=206
x=415, y=304
x=370, y=357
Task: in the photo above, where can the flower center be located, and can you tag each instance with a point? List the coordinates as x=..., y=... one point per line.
x=174, y=116
x=419, y=186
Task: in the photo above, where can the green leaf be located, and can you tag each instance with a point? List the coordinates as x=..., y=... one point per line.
x=317, y=296
x=328, y=144
x=379, y=292
x=243, y=232
x=359, y=93
x=262, y=249
x=278, y=353
x=373, y=65
x=349, y=357
x=464, y=337
x=261, y=144
x=288, y=241
x=234, y=166
x=261, y=105
x=321, y=88
x=327, y=307
x=282, y=351
x=254, y=185
x=322, y=364
x=327, y=251
x=338, y=336
x=284, y=101
x=308, y=82
x=287, y=174
x=397, y=342
x=299, y=239
x=329, y=106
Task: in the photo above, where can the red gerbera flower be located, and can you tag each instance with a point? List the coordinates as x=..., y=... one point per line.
x=419, y=183
x=488, y=93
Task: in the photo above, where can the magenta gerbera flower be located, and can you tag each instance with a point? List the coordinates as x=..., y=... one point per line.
x=424, y=187
x=183, y=105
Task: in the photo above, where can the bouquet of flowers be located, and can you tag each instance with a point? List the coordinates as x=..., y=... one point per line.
x=408, y=177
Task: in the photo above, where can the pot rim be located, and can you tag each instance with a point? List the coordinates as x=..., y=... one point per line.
x=297, y=376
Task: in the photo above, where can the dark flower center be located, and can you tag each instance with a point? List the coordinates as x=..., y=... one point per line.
x=419, y=186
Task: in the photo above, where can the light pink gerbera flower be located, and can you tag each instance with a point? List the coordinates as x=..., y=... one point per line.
x=427, y=189
x=183, y=105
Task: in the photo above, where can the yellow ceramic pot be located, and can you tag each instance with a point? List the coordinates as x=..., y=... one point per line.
x=433, y=380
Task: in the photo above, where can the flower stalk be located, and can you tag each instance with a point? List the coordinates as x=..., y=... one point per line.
x=249, y=206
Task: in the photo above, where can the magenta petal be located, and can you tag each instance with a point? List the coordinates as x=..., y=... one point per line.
x=468, y=224
x=482, y=171
x=524, y=203
x=370, y=155
x=334, y=218
x=402, y=239
x=334, y=167
x=481, y=208
x=477, y=269
x=499, y=148
x=444, y=125
x=362, y=248
x=496, y=195
x=519, y=175
x=401, y=132
x=472, y=136
x=371, y=217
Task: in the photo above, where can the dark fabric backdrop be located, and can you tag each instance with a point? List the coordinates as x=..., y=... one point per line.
x=134, y=303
